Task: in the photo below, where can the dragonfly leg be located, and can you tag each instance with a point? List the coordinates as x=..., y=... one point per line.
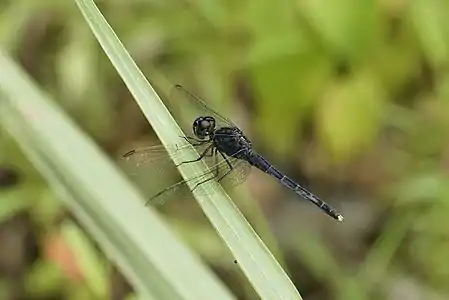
x=129, y=153
x=215, y=175
x=164, y=190
x=193, y=141
x=230, y=167
x=205, y=153
x=213, y=152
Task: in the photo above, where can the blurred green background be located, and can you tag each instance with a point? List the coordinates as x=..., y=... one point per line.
x=349, y=97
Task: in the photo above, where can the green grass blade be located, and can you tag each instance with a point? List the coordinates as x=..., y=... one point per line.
x=263, y=271
x=156, y=264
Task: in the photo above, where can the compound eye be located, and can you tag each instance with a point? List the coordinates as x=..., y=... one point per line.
x=205, y=124
x=203, y=127
x=211, y=123
x=200, y=128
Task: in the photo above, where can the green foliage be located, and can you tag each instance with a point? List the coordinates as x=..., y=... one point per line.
x=349, y=93
x=254, y=258
x=136, y=240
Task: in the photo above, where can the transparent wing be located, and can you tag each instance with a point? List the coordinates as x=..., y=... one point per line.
x=152, y=169
x=239, y=174
x=153, y=155
x=155, y=159
x=229, y=173
x=186, y=106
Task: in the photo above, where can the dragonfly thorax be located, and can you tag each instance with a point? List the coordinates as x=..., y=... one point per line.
x=203, y=127
x=230, y=140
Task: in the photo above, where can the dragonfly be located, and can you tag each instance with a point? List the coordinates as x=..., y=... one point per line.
x=222, y=145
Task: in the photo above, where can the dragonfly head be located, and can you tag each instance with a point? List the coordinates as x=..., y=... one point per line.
x=203, y=127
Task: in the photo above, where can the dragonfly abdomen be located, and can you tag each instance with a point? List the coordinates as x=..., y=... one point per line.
x=262, y=164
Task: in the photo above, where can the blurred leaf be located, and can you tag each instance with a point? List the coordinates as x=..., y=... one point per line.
x=47, y=208
x=350, y=115
x=421, y=189
x=76, y=66
x=287, y=72
x=443, y=95
x=76, y=292
x=57, y=250
x=212, y=10
x=319, y=260
x=4, y=289
x=286, y=87
x=265, y=19
x=87, y=257
x=140, y=244
x=352, y=289
x=258, y=264
x=43, y=279
x=350, y=26
x=132, y=297
x=379, y=259
x=398, y=59
x=13, y=21
x=12, y=202
x=430, y=236
x=430, y=18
